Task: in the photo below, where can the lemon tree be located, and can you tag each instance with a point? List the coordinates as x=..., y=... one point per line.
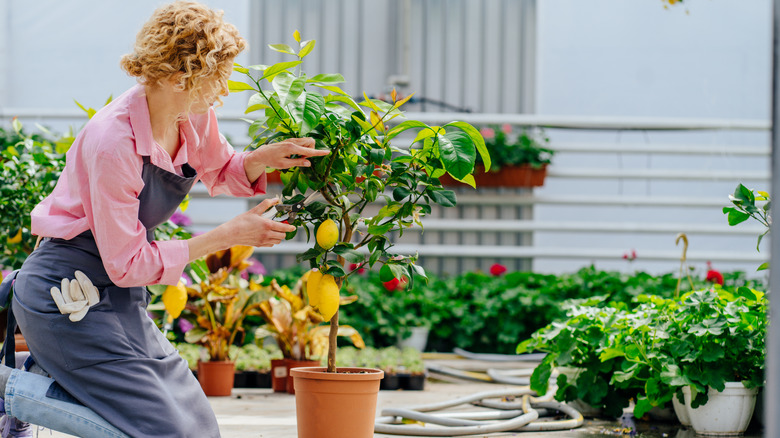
x=368, y=162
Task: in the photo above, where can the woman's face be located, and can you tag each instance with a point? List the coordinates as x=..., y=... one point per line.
x=210, y=89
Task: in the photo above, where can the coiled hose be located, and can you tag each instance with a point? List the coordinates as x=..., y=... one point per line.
x=507, y=415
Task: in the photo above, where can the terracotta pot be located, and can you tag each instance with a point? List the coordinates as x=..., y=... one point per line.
x=292, y=363
x=336, y=405
x=216, y=377
x=508, y=176
x=20, y=342
x=279, y=375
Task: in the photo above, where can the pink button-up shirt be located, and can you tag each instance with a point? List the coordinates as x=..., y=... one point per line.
x=99, y=187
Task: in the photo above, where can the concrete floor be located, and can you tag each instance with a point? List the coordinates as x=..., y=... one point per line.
x=261, y=413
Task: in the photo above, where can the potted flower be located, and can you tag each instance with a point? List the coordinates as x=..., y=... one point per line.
x=221, y=300
x=518, y=159
x=296, y=328
x=364, y=164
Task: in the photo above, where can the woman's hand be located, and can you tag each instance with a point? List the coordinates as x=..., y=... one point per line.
x=248, y=228
x=252, y=229
x=279, y=156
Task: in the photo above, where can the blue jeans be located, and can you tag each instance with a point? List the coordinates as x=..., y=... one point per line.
x=25, y=399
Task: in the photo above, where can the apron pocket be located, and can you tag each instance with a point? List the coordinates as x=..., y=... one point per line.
x=98, y=338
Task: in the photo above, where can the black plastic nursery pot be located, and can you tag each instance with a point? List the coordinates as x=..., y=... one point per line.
x=412, y=382
x=390, y=382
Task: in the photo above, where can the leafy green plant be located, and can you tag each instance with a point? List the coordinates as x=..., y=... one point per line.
x=578, y=342
x=30, y=169
x=365, y=164
x=705, y=338
x=221, y=300
x=749, y=204
x=509, y=149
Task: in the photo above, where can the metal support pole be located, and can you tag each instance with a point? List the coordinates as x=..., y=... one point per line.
x=772, y=389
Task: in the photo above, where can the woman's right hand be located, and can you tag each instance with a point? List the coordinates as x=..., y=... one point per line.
x=249, y=228
x=252, y=229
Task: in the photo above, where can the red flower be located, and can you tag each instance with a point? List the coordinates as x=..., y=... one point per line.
x=359, y=267
x=391, y=285
x=497, y=269
x=396, y=284
x=713, y=276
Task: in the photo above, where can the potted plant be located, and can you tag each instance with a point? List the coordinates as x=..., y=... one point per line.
x=253, y=366
x=412, y=376
x=296, y=328
x=220, y=301
x=364, y=165
x=517, y=159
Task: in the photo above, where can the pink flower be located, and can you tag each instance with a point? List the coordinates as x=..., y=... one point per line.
x=185, y=325
x=181, y=219
x=359, y=267
x=497, y=269
x=487, y=133
x=630, y=256
x=506, y=128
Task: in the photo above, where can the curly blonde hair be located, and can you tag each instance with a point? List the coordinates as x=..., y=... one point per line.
x=188, y=38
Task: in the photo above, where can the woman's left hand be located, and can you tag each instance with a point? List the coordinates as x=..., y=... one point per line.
x=279, y=156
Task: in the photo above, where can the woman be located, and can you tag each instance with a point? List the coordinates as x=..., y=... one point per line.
x=126, y=173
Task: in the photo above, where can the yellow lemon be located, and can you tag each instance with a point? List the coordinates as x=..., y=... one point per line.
x=175, y=298
x=327, y=234
x=313, y=287
x=329, y=297
x=17, y=238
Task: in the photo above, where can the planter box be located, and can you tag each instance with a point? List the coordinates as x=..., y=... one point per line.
x=508, y=176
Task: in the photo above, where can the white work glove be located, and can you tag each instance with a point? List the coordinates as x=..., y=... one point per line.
x=76, y=297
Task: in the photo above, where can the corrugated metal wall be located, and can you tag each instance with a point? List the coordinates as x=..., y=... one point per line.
x=456, y=55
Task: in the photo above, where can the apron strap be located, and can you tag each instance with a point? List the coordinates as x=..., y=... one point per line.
x=8, y=353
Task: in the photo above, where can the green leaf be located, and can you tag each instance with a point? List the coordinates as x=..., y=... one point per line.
x=445, y=198
x=349, y=254
x=313, y=108
x=343, y=99
x=764, y=266
x=457, y=153
x=335, y=269
x=256, y=102
x=540, y=378
x=236, y=86
x=308, y=46
x=310, y=253
x=403, y=126
x=400, y=193
x=327, y=78
x=379, y=230
x=287, y=87
x=735, y=216
x=337, y=90
x=477, y=139
x=275, y=69
x=282, y=48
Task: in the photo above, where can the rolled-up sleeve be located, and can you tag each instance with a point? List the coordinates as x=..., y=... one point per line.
x=219, y=166
x=114, y=182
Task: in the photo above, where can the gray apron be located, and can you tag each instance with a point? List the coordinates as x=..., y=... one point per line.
x=115, y=360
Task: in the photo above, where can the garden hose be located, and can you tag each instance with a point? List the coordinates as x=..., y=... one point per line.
x=506, y=416
x=520, y=377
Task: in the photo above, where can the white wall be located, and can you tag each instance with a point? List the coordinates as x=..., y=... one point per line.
x=704, y=59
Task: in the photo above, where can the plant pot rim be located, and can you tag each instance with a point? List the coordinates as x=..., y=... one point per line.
x=728, y=386
x=342, y=373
